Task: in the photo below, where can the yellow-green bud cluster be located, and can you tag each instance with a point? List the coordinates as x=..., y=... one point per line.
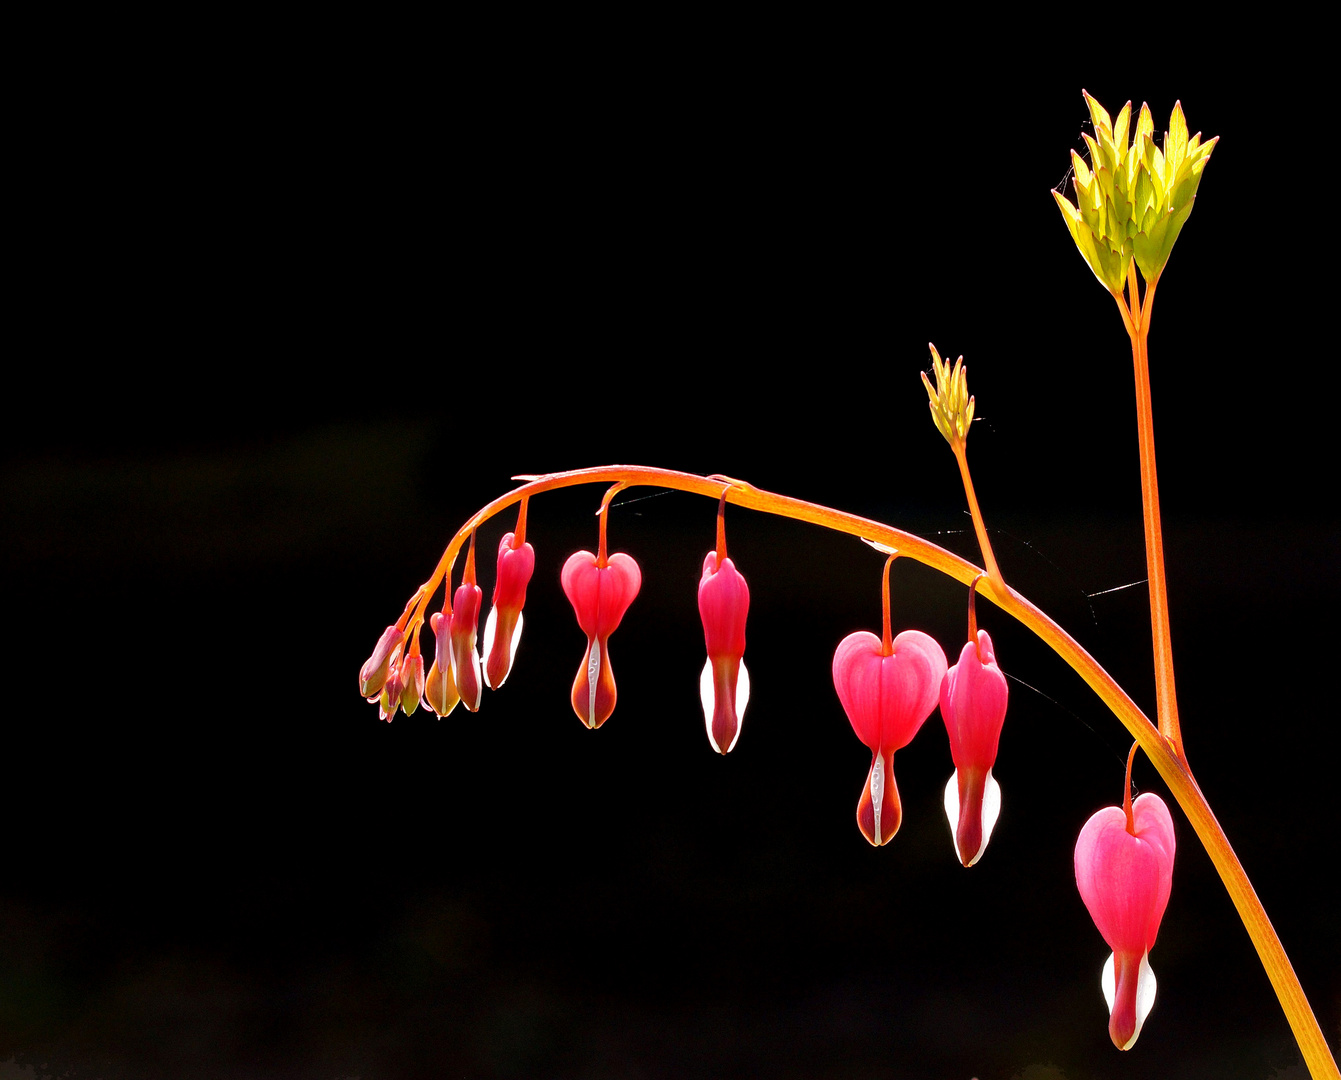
x=1132, y=200
x=951, y=406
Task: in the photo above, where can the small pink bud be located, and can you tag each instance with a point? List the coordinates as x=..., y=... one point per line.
x=724, y=685
x=412, y=680
x=465, y=659
x=1124, y=876
x=973, y=706
x=439, y=688
x=503, y=627
x=600, y=595
x=373, y=674
x=887, y=700
x=389, y=700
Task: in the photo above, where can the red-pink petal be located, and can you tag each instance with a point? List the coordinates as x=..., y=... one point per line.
x=723, y=605
x=600, y=595
x=502, y=629
x=888, y=698
x=465, y=659
x=973, y=705
x=1125, y=882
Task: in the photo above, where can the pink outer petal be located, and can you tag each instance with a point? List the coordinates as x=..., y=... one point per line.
x=440, y=692
x=515, y=567
x=465, y=660
x=600, y=596
x=373, y=674
x=723, y=605
x=888, y=698
x=1125, y=880
x=973, y=705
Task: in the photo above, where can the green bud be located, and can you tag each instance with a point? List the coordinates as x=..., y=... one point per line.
x=1132, y=200
x=951, y=406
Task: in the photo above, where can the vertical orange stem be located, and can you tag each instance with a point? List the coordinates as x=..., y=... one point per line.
x=721, y=529
x=604, y=512
x=1166, y=699
x=989, y=559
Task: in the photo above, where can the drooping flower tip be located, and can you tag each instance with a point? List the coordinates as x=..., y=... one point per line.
x=724, y=683
x=375, y=670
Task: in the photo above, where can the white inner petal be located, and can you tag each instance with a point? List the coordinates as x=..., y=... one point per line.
x=479, y=683
x=991, y=810
x=1145, y=995
x=593, y=673
x=952, y=811
x=707, y=693
x=742, y=699
x=490, y=627
x=512, y=653
x=1145, y=991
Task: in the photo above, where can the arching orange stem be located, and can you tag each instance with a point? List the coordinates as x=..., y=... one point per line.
x=1170, y=764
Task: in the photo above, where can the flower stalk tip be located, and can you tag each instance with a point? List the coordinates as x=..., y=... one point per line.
x=1132, y=197
x=950, y=402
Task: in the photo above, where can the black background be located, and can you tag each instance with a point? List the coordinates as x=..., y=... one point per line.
x=296, y=310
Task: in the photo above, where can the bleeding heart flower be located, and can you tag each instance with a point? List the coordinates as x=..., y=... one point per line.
x=503, y=627
x=1124, y=871
x=973, y=706
x=888, y=689
x=723, y=604
x=600, y=592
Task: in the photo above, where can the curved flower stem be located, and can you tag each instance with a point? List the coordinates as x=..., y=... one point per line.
x=1136, y=318
x=1157, y=747
x=961, y=456
x=887, y=639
